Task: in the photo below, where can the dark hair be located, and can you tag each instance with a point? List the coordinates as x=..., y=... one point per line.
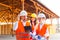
x=34, y=22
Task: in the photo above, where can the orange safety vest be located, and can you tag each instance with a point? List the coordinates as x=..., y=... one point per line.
x=42, y=31
x=32, y=27
x=20, y=32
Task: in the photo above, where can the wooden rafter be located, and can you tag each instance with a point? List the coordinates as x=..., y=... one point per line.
x=30, y=6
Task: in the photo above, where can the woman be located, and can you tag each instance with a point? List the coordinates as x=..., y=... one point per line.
x=33, y=22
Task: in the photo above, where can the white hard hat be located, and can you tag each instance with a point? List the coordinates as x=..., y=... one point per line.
x=23, y=13
x=41, y=15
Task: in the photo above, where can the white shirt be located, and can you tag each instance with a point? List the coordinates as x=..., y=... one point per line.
x=15, y=26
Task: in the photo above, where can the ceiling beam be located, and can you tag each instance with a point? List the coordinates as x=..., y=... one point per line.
x=40, y=7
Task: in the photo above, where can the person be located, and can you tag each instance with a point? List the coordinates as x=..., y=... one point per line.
x=33, y=22
x=42, y=30
x=21, y=27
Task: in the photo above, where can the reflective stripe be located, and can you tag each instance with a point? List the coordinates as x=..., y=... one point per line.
x=23, y=36
x=23, y=33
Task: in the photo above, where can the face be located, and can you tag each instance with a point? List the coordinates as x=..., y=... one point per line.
x=23, y=17
x=41, y=20
x=33, y=19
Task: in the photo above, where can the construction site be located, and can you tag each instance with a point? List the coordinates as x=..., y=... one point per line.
x=9, y=10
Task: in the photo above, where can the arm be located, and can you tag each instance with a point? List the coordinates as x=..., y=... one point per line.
x=15, y=26
x=47, y=34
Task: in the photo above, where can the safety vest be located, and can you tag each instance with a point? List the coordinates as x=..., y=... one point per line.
x=32, y=27
x=20, y=32
x=42, y=31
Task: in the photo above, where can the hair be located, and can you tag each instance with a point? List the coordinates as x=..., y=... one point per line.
x=34, y=22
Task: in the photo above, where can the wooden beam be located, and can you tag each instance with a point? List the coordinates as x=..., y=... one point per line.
x=29, y=8
x=5, y=5
x=35, y=4
x=22, y=4
x=43, y=8
x=9, y=6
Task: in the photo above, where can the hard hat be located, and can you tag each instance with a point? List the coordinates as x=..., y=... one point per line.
x=33, y=15
x=23, y=13
x=28, y=24
x=41, y=15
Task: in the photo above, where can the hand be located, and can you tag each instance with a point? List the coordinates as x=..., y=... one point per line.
x=34, y=33
x=47, y=37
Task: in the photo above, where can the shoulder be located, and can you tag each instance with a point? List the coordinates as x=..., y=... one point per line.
x=16, y=22
x=47, y=25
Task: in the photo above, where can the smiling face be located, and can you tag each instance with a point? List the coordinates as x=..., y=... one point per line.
x=32, y=19
x=41, y=20
x=23, y=18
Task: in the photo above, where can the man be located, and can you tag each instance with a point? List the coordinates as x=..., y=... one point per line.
x=42, y=30
x=20, y=27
